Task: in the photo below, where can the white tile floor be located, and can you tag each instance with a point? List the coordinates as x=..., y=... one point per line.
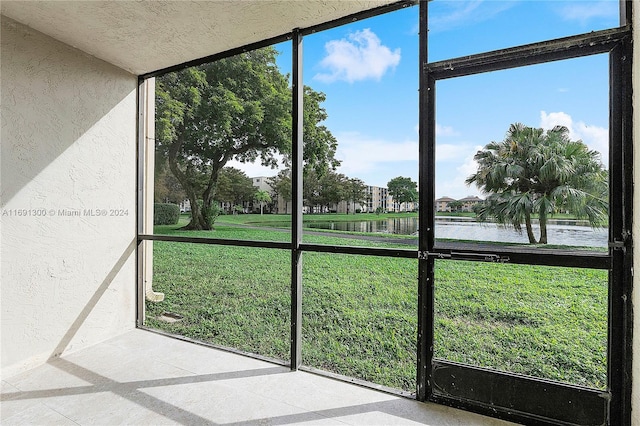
x=142, y=378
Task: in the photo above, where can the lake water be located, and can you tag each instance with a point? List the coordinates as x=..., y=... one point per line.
x=560, y=232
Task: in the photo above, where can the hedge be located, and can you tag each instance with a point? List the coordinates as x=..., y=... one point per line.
x=165, y=214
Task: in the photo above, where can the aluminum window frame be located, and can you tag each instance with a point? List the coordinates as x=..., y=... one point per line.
x=619, y=259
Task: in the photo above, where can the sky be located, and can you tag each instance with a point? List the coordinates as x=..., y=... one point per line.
x=369, y=72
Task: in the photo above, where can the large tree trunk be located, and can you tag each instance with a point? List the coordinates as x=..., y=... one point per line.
x=196, y=214
x=527, y=220
x=543, y=225
x=200, y=215
x=206, y=215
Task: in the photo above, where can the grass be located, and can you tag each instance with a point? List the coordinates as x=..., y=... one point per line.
x=222, y=300
x=262, y=232
x=547, y=322
x=359, y=317
x=359, y=312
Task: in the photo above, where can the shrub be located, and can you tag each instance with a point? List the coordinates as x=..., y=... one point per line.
x=212, y=213
x=165, y=214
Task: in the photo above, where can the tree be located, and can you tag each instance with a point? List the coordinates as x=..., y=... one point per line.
x=235, y=108
x=234, y=187
x=262, y=197
x=311, y=190
x=166, y=188
x=536, y=172
x=355, y=192
x=281, y=187
x=455, y=206
x=403, y=190
x=333, y=188
x=323, y=190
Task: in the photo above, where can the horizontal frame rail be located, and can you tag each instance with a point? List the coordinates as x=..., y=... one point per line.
x=531, y=54
x=216, y=241
x=544, y=257
x=566, y=258
x=367, y=251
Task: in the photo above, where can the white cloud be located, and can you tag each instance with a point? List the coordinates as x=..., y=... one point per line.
x=445, y=131
x=255, y=169
x=448, y=152
x=362, y=56
x=446, y=16
x=585, y=11
x=596, y=138
x=549, y=121
x=360, y=154
x=453, y=184
x=470, y=166
x=377, y=160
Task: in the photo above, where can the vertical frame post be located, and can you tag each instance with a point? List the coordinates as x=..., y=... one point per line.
x=426, y=178
x=620, y=231
x=626, y=7
x=297, y=92
x=140, y=159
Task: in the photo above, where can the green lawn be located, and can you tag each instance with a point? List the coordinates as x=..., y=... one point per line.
x=359, y=312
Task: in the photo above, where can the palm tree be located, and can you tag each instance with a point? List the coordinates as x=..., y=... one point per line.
x=262, y=197
x=536, y=172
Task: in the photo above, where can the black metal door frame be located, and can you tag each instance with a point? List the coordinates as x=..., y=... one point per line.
x=512, y=396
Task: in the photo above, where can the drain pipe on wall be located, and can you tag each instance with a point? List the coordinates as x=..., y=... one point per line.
x=149, y=169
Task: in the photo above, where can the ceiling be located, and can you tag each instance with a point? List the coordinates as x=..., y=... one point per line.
x=143, y=36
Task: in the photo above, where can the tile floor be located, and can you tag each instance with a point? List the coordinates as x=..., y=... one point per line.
x=142, y=378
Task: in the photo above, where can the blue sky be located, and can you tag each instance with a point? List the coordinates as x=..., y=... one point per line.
x=369, y=73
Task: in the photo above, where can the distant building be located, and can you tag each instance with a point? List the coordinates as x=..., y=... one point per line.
x=278, y=205
x=185, y=206
x=376, y=196
x=261, y=183
x=442, y=204
x=469, y=202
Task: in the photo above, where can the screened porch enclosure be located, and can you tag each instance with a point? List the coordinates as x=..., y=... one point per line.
x=451, y=314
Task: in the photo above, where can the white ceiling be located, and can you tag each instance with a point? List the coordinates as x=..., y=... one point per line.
x=142, y=36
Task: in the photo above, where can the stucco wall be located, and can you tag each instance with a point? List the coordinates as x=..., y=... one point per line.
x=67, y=198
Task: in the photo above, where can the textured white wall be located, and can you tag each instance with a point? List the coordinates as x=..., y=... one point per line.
x=67, y=191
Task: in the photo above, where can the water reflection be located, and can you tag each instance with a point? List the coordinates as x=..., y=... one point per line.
x=560, y=232
x=396, y=225
x=567, y=235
